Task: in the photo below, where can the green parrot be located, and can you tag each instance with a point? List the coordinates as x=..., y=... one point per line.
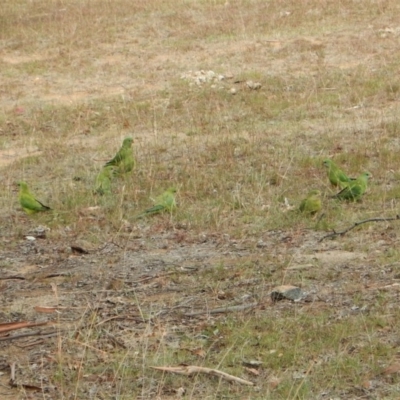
x=355, y=188
x=336, y=176
x=165, y=202
x=103, y=180
x=312, y=203
x=123, y=161
x=28, y=201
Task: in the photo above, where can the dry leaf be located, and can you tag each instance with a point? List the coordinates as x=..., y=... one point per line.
x=273, y=382
x=252, y=371
x=391, y=369
x=199, y=352
x=366, y=384
x=78, y=250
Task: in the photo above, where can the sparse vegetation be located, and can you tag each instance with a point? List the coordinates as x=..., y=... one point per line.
x=77, y=77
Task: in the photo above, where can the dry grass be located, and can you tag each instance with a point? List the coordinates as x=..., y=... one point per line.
x=77, y=77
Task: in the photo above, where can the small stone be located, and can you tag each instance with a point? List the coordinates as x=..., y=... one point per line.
x=290, y=292
x=253, y=85
x=210, y=75
x=232, y=91
x=252, y=363
x=39, y=231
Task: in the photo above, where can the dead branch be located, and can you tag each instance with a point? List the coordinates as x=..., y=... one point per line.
x=3, y=278
x=342, y=233
x=11, y=326
x=35, y=333
x=193, y=369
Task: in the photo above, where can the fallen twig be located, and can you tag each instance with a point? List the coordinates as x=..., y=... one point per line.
x=342, y=233
x=222, y=310
x=3, y=278
x=11, y=326
x=193, y=369
x=124, y=317
x=35, y=333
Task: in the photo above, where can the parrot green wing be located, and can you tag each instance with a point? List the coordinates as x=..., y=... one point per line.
x=167, y=199
x=312, y=203
x=123, y=161
x=153, y=210
x=103, y=180
x=355, y=189
x=165, y=202
x=28, y=202
x=335, y=175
